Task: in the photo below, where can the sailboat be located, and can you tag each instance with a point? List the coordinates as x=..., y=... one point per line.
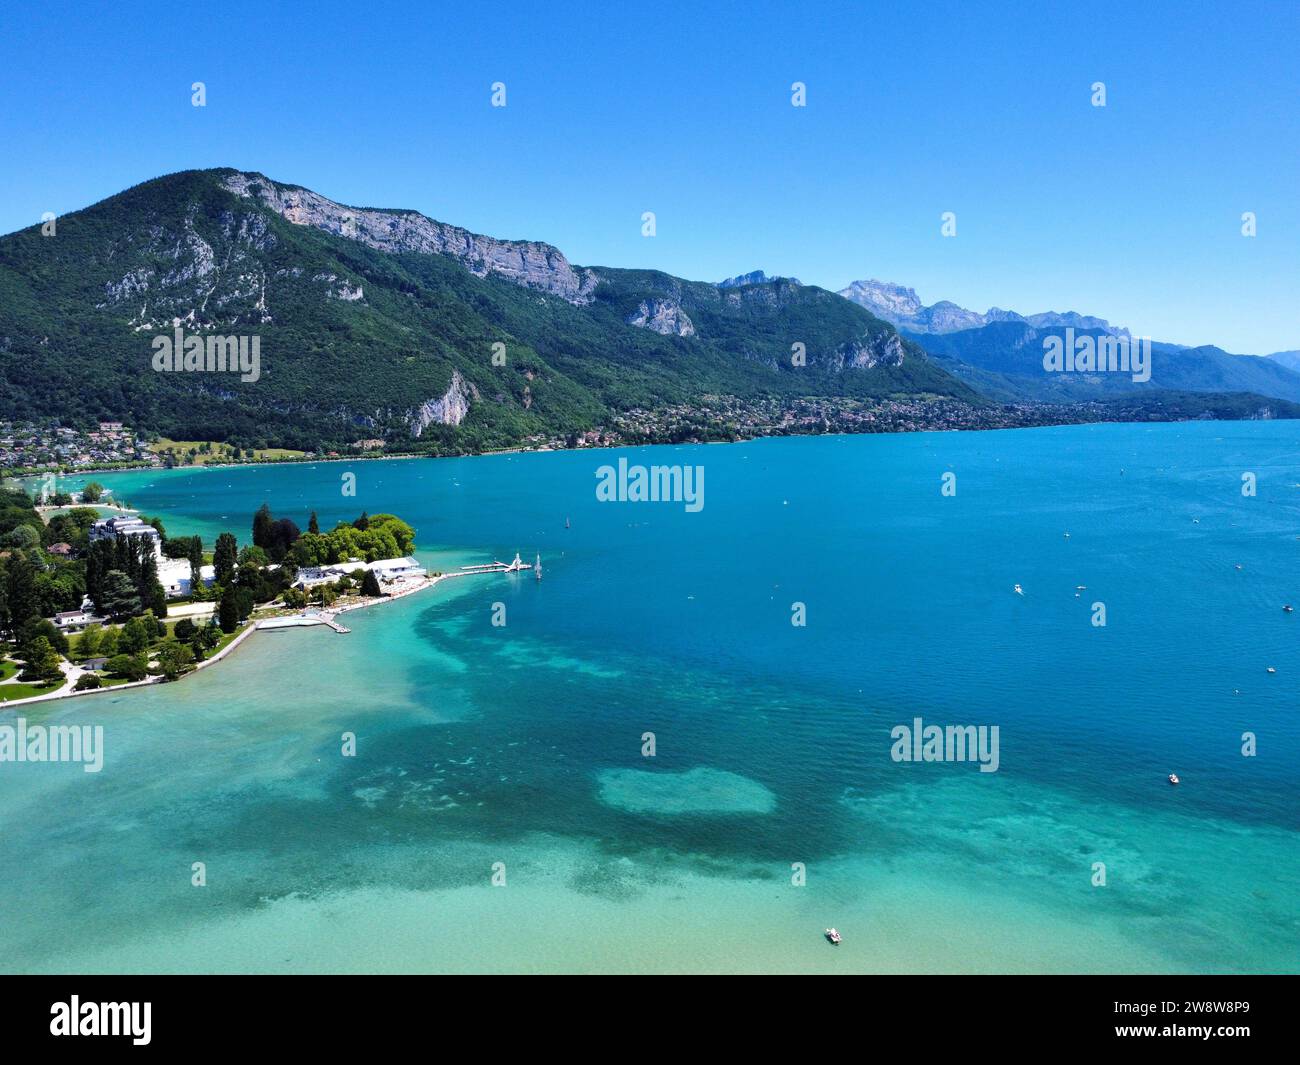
x=566, y=523
x=537, y=568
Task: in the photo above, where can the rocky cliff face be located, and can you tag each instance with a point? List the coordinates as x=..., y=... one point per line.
x=662, y=316
x=883, y=349
x=529, y=263
x=901, y=307
x=193, y=283
x=448, y=409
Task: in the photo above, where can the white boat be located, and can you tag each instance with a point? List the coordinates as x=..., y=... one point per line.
x=1173, y=778
x=833, y=936
x=1019, y=590
x=1271, y=669
x=537, y=568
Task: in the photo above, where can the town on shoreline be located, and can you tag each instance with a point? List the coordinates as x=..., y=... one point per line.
x=51, y=448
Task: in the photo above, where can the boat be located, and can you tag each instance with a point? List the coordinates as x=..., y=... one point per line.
x=566, y=523
x=1271, y=669
x=833, y=936
x=1173, y=778
x=1019, y=590
x=1287, y=609
x=537, y=568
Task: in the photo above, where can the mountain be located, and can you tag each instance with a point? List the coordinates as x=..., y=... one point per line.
x=1004, y=360
x=903, y=308
x=378, y=322
x=1289, y=359
x=754, y=277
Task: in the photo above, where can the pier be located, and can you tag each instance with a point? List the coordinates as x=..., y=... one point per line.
x=498, y=567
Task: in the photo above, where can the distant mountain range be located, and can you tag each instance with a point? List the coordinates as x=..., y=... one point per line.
x=1289, y=359
x=1000, y=353
x=902, y=307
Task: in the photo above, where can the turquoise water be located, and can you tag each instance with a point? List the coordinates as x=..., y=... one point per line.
x=522, y=745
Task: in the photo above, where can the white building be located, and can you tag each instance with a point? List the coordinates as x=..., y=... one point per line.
x=396, y=569
x=175, y=577
x=74, y=620
x=126, y=525
x=386, y=569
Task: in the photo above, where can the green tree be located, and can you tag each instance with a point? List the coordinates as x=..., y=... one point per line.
x=134, y=637
x=262, y=527
x=132, y=667
x=87, y=681
x=92, y=493
x=89, y=642
x=313, y=526
x=228, y=609
x=108, y=642
x=23, y=600
x=42, y=661
x=184, y=630
x=194, y=552
x=174, y=658
x=224, y=558
x=119, y=596
x=370, y=584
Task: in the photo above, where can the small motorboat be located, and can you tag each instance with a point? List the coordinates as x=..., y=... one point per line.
x=1287, y=609
x=1173, y=778
x=1271, y=669
x=1019, y=590
x=1237, y=566
x=833, y=937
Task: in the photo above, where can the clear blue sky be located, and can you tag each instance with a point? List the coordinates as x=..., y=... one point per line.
x=1131, y=211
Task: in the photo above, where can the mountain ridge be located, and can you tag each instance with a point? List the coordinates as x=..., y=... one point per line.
x=902, y=308
x=379, y=322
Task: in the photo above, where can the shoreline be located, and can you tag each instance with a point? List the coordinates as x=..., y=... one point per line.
x=321, y=617
x=6, y=474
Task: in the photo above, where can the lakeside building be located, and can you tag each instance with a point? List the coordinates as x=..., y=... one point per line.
x=386, y=569
x=127, y=525
x=75, y=620
x=177, y=580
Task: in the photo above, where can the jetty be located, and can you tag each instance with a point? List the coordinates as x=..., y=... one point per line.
x=500, y=567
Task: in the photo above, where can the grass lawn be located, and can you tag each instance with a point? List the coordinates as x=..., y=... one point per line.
x=226, y=639
x=8, y=669
x=9, y=692
x=217, y=453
